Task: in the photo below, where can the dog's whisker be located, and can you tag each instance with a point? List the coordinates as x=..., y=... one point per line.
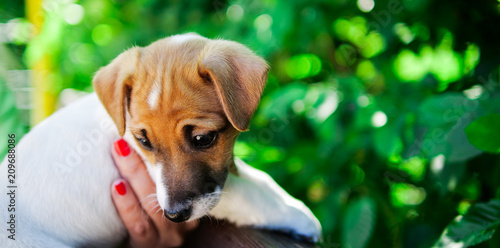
x=149, y=202
x=209, y=217
x=151, y=195
x=159, y=210
x=149, y=199
x=156, y=209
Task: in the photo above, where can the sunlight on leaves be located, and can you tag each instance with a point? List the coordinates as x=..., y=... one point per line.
x=302, y=66
x=366, y=70
x=471, y=57
x=404, y=33
x=403, y=194
x=415, y=167
x=410, y=67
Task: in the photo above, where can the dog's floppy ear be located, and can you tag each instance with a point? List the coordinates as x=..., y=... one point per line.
x=113, y=84
x=239, y=77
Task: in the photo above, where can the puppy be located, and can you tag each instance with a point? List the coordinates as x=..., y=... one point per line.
x=180, y=103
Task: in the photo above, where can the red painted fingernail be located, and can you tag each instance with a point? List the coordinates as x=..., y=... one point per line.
x=120, y=188
x=122, y=148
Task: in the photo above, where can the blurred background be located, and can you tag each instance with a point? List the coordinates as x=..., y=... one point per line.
x=382, y=116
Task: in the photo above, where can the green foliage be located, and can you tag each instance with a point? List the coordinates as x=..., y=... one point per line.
x=9, y=115
x=482, y=133
x=477, y=225
x=358, y=224
x=377, y=114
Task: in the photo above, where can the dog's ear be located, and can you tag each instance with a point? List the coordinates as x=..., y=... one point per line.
x=239, y=77
x=113, y=84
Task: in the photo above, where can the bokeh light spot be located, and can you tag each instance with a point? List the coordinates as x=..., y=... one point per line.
x=366, y=5
x=406, y=194
x=302, y=66
x=102, y=34
x=410, y=67
x=341, y=28
x=317, y=191
x=366, y=70
x=74, y=14
x=357, y=31
x=263, y=22
x=379, y=119
x=437, y=164
x=474, y=92
x=404, y=33
x=471, y=57
x=463, y=206
x=298, y=106
x=372, y=45
x=235, y=13
x=363, y=101
x=415, y=167
x=446, y=66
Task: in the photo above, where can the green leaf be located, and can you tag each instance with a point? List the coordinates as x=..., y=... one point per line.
x=358, y=223
x=445, y=117
x=477, y=225
x=10, y=122
x=483, y=133
x=387, y=141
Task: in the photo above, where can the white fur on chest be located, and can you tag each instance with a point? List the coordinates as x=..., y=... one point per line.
x=64, y=176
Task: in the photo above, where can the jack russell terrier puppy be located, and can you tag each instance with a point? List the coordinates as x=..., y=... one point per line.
x=180, y=103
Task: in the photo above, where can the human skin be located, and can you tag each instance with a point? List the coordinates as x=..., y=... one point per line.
x=135, y=200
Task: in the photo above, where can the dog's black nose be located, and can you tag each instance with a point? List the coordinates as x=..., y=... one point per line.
x=178, y=216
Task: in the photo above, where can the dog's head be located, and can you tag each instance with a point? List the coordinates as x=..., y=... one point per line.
x=184, y=100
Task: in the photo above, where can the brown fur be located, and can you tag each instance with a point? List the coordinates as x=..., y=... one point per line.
x=209, y=85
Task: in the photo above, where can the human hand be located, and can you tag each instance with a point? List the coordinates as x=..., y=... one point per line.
x=135, y=199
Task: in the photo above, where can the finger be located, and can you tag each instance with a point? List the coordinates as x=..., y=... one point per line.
x=176, y=234
x=134, y=171
x=142, y=231
x=191, y=225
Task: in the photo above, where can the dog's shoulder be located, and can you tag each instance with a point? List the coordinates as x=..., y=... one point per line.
x=65, y=162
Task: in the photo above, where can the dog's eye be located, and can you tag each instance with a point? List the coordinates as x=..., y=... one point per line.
x=204, y=141
x=144, y=141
